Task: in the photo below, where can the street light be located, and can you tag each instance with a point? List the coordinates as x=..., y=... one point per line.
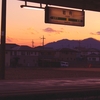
x=32, y=7
x=3, y=38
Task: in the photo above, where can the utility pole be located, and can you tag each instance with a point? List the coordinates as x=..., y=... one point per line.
x=32, y=44
x=3, y=39
x=43, y=41
x=79, y=43
x=43, y=50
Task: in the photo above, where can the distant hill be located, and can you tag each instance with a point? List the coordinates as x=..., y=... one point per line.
x=88, y=43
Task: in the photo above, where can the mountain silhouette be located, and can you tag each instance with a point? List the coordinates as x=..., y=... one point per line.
x=65, y=43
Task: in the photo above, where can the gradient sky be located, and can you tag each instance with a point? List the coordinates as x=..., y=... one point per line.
x=25, y=25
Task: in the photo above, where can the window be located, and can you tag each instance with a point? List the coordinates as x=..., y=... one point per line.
x=23, y=53
x=11, y=53
x=24, y=61
x=93, y=59
x=15, y=53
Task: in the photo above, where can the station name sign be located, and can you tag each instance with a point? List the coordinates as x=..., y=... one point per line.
x=64, y=16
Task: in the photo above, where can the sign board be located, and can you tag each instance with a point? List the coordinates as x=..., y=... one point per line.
x=64, y=16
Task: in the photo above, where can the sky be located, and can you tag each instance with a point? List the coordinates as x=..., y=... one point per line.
x=27, y=25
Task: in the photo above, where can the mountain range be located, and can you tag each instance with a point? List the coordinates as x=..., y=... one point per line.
x=65, y=43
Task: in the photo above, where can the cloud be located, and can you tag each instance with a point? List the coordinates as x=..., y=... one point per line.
x=32, y=30
x=97, y=33
x=9, y=39
x=92, y=33
x=51, y=30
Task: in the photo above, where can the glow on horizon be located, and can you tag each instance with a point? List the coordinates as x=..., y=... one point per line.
x=24, y=25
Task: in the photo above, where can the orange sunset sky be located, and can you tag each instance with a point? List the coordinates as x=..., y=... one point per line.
x=25, y=25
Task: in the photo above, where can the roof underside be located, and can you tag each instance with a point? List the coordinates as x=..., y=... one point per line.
x=92, y=5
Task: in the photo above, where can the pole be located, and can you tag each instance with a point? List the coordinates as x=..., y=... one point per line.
x=3, y=38
x=43, y=41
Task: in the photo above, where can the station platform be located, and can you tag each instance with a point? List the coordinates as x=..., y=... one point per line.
x=48, y=89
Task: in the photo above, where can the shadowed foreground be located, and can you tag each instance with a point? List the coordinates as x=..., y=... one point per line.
x=50, y=84
x=50, y=73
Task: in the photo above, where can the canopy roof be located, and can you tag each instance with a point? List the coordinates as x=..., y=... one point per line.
x=92, y=5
